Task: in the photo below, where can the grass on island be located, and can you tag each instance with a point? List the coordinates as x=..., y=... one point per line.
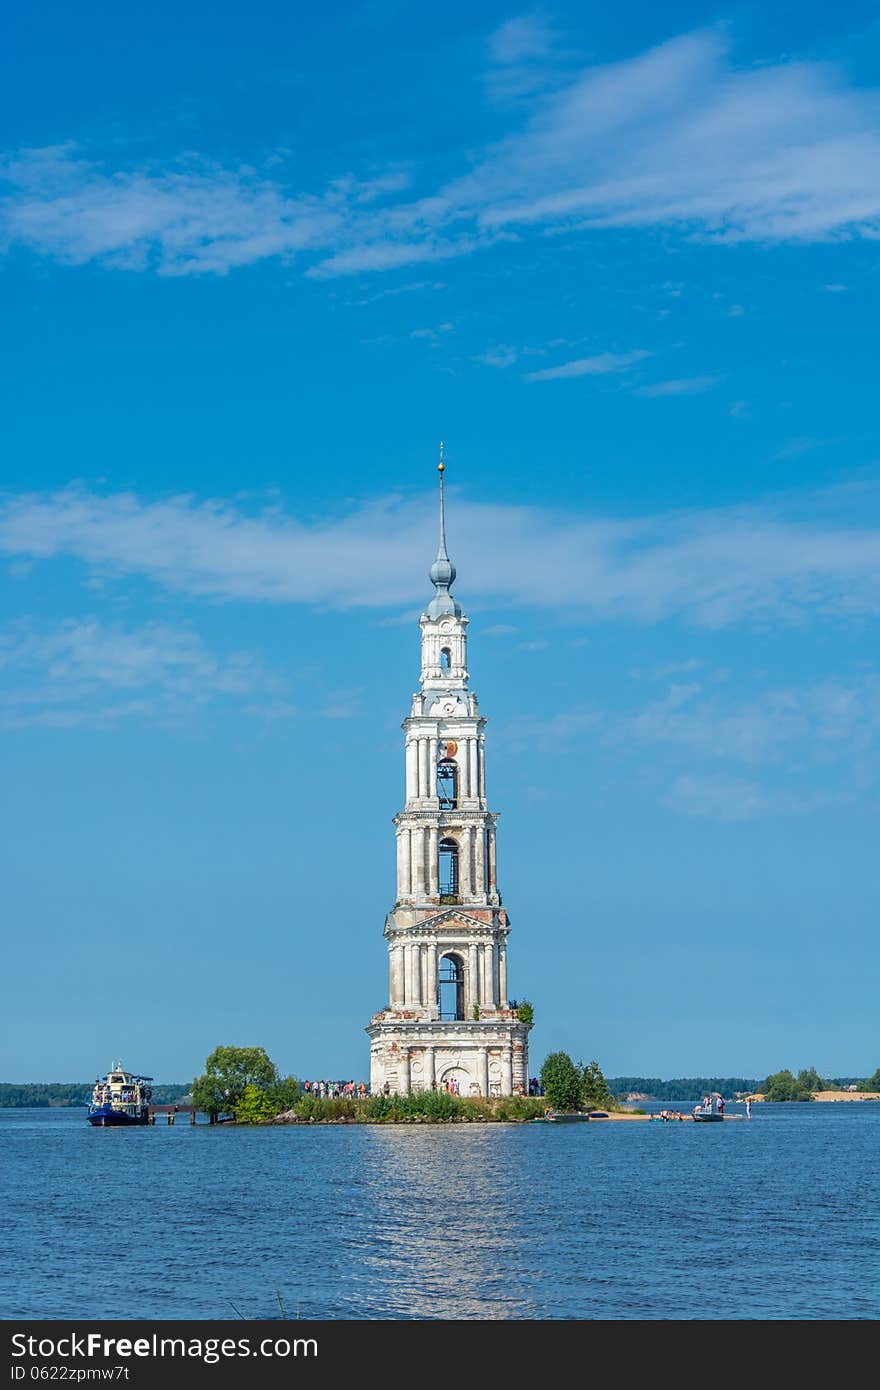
x=422, y=1107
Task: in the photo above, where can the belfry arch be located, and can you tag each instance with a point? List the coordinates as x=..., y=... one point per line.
x=450, y=987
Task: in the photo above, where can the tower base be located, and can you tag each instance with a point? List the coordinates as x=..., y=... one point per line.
x=486, y=1057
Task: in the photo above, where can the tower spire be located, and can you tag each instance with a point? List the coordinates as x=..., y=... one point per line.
x=442, y=572
x=441, y=469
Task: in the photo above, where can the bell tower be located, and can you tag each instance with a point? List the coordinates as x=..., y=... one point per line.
x=448, y=1013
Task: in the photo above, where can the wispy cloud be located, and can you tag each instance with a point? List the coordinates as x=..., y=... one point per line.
x=678, y=136
x=599, y=365
x=680, y=386
x=501, y=355
x=521, y=57
x=778, y=563
x=805, y=746
x=196, y=217
x=85, y=672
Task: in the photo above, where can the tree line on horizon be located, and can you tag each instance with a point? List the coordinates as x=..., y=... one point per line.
x=777, y=1086
x=60, y=1094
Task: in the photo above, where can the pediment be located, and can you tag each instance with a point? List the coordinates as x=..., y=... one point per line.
x=451, y=915
x=448, y=919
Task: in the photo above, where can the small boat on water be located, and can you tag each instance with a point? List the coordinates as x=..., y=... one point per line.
x=707, y=1114
x=560, y=1117
x=122, y=1098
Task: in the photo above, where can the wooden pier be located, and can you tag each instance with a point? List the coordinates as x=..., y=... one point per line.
x=172, y=1110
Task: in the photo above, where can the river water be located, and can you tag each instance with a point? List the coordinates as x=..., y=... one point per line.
x=776, y=1217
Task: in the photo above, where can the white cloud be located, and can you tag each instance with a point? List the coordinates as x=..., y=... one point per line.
x=525, y=37
x=779, y=563
x=85, y=672
x=521, y=58
x=502, y=355
x=681, y=386
x=806, y=747
x=599, y=365
x=195, y=218
x=718, y=798
x=675, y=137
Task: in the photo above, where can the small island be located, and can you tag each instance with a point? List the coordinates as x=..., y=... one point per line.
x=242, y=1085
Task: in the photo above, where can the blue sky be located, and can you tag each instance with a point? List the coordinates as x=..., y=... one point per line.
x=625, y=262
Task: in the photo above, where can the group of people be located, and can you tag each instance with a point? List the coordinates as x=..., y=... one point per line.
x=712, y=1103
x=336, y=1090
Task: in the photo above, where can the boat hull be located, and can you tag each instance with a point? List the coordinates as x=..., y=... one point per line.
x=714, y=1118
x=106, y=1118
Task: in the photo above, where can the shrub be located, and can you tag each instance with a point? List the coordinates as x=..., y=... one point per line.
x=525, y=1012
x=255, y=1107
x=562, y=1081
x=595, y=1091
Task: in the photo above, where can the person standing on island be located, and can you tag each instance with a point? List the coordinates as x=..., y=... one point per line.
x=748, y=1108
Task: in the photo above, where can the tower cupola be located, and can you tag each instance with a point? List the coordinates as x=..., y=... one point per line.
x=442, y=572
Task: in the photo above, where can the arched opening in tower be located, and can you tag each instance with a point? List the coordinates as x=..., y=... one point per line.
x=447, y=870
x=447, y=784
x=445, y=659
x=450, y=988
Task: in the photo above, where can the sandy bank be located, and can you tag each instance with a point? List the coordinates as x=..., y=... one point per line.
x=833, y=1095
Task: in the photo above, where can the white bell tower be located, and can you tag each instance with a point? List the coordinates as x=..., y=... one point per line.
x=448, y=1012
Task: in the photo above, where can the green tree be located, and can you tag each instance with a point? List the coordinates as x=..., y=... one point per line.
x=783, y=1085
x=561, y=1081
x=872, y=1083
x=228, y=1072
x=810, y=1080
x=595, y=1091
x=256, y=1107
x=285, y=1094
x=525, y=1012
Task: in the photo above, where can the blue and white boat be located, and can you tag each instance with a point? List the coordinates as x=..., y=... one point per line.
x=122, y=1098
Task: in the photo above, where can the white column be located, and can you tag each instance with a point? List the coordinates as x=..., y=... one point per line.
x=403, y=1072
x=412, y=769
x=472, y=767
x=398, y=987
x=480, y=864
x=506, y=1073
x=482, y=791
x=431, y=1000
x=502, y=975
x=404, y=859
x=413, y=987
x=432, y=766
x=486, y=973
x=472, y=992
x=496, y=993
x=423, y=975
x=483, y=1067
x=466, y=862
x=433, y=867
x=429, y=1068
x=419, y=857
x=464, y=786
x=424, y=782
x=493, y=870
